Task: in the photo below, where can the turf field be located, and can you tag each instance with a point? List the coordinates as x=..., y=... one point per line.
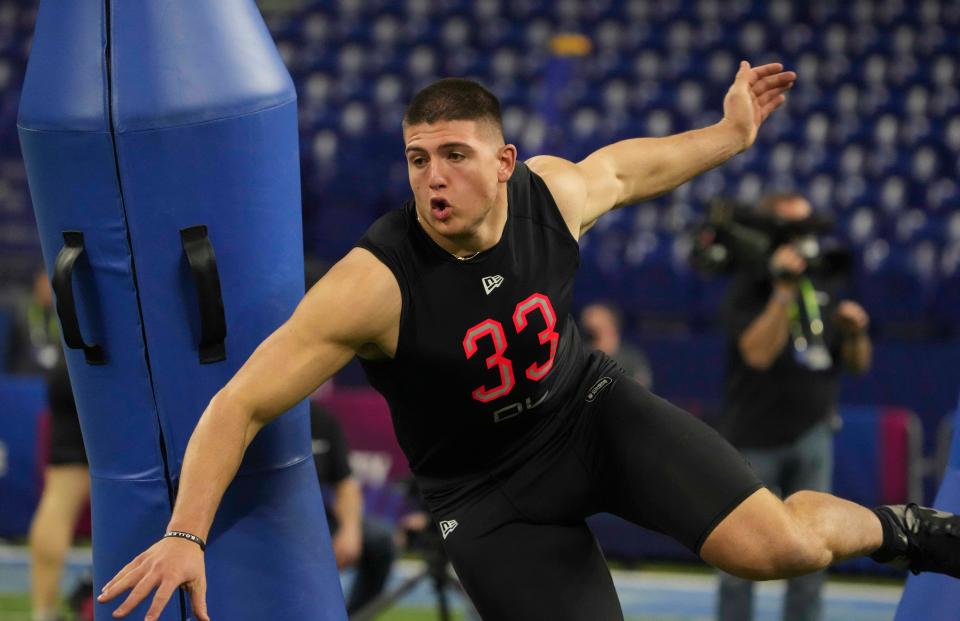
x=655, y=594
x=17, y=608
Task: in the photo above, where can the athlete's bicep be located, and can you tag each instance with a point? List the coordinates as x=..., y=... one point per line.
x=604, y=187
x=355, y=305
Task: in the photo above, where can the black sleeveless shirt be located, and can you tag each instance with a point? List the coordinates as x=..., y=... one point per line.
x=487, y=351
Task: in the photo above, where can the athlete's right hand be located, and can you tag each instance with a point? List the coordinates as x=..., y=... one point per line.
x=166, y=565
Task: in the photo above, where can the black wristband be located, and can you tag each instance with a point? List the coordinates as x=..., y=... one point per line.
x=188, y=536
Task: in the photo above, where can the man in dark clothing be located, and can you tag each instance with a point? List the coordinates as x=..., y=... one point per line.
x=35, y=349
x=358, y=540
x=602, y=326
x=789, y=336
x=458, y=306
x=34, y=341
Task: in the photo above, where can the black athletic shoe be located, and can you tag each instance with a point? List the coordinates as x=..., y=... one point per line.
x=919, y=539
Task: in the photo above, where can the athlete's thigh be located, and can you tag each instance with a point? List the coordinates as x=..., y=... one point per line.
x=663, y=468
x=521, y=571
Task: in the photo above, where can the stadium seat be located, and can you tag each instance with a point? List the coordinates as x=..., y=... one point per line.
x=873, y=123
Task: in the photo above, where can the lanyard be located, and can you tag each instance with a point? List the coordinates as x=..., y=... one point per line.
x=41, y=334
x=812, y=310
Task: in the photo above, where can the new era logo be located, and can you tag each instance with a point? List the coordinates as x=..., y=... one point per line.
x=491, y=282
x=597, y=387
x=446, y=527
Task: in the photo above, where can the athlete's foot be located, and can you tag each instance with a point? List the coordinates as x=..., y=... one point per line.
x=919, y=539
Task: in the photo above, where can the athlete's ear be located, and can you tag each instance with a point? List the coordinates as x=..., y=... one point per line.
x=507, y=156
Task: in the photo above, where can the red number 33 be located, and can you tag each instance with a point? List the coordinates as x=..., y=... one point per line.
x=493, y=328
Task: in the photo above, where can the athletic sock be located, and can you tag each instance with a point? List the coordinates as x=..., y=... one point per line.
x=895, y=544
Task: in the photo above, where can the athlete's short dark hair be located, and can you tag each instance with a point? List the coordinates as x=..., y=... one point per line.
x=453, y=99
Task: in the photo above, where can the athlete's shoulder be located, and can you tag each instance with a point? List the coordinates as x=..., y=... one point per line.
x=359, y=299
x=521, y=173
x=389, y=229
x=563, y=182
x=562, y=177
x=390, y=239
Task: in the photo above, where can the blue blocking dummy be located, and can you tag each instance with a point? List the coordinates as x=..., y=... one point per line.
x=935, y=597
x=160, y=140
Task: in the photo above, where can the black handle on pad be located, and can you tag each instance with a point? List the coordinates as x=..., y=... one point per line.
x=203, y=264
x=66, y=305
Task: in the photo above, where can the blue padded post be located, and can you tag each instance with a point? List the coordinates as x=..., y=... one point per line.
x=936, y=597
x=67, y=147
x=157, y=129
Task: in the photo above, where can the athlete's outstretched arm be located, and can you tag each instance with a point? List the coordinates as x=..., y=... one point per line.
x=354, y=309
x=633, y=170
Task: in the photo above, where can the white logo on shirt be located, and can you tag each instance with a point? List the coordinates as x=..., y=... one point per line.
x=597, y=387
x=491, y=282
x=447, y=526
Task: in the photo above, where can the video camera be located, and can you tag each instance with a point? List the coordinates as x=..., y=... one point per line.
x=736, y=237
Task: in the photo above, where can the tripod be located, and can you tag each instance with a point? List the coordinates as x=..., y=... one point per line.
x=437, y=570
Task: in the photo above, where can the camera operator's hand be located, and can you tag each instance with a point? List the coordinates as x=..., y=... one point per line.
x=856, y=350
x=851, y=318
x=787, y=264
x=410, y=527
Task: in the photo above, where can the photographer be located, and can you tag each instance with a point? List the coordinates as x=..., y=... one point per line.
x=788, y=338
x=602, y=325
x=359, y=540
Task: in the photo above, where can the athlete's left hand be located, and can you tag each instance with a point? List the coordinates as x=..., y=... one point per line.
x=755, y=93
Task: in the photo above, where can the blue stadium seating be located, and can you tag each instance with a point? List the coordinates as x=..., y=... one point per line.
x=871, y=131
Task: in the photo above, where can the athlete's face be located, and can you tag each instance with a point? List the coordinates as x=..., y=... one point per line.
x=457, y=170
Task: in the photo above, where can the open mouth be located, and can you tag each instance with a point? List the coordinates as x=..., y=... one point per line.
x=440, y=208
